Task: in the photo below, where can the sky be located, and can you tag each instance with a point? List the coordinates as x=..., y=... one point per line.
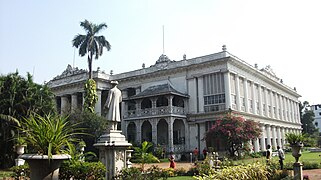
x=36, y=35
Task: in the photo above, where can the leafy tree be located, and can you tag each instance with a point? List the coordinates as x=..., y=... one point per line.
x=144, y=155
x=235, y=131
x=19, y=98
x=307, y=119
x=91, y=43
x=94, y=124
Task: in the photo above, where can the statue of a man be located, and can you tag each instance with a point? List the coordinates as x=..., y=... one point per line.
x=113, y=105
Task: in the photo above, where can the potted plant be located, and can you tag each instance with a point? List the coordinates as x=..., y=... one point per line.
x=20, y=144
x=296, y=143
x=47, y=136
x=82, y=146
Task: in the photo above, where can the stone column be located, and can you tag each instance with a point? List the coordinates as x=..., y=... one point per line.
x=138, y=107
x=170, y=134
x=154, y=104
x=278, y=133
x=64, y=104
x=74, y=102
x=228, y=103
x=154, y=130
x=268, y=134
x=246, y=98
x=138, y=124
x=170, y=103
x=283, y=136
x=237, y=91
x=98, y=103
x=256, y=145
x=273, y=137
x=263, y=146
x=200, y=94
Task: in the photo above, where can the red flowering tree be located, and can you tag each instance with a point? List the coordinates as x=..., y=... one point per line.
x=235, y=131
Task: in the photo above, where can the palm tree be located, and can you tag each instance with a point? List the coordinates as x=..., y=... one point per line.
x=90, y=43
x=144, y=155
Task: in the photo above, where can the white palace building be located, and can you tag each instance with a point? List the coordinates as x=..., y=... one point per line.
x=173, y=103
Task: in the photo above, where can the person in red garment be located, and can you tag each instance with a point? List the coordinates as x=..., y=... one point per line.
x=172, y=163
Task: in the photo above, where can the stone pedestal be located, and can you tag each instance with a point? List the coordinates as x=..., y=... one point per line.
x=113, y=152
x=297, y=169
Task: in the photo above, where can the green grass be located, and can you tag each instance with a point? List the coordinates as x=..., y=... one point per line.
x=181, y=178
x=306, y=156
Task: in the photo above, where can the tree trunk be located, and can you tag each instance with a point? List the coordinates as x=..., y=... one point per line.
x=90, y=61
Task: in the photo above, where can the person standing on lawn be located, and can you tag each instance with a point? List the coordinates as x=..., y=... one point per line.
x=172, y=163
x=268, y=153
x=281, y=156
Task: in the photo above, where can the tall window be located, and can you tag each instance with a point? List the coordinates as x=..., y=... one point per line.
x=269, y=103
x=214, y=92
x=257, y=98
x=233, y=90
x=274, y=104
x=250, y=96
x=263, y=100
x=242, y=94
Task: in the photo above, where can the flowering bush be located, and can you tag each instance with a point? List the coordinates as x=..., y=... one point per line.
x=235, y=131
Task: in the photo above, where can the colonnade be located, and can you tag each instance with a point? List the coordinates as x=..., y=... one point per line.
x=259, y=99
x=272, y=135
x=69, y=103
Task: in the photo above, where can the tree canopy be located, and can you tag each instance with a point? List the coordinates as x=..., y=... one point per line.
x=307, y=119
x=235, y=131
x=91, y=43
x=19, y=98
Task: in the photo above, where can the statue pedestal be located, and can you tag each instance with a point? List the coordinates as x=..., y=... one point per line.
x=113, y=152
x=297, y=169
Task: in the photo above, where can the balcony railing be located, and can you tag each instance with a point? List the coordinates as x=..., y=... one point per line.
x=155, y=111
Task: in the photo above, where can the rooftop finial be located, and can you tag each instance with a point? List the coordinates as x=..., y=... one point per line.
x=143, y=65
x=224, y=47
x=111, y=72
x=184, y=57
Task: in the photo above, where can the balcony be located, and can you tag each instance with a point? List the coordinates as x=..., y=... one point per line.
x=165, y=110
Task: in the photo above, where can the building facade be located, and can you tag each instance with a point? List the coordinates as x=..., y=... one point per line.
x=173, y=103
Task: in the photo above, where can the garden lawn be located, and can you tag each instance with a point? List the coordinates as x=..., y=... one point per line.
x=306, y=156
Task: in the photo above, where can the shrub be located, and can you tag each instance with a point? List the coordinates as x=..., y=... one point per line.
x=256, y=155
x=168, y=172
x=154, y=172
x=250, y=171
x=82, y=170
x=180, y=172
x=311, y=165
x=21, y=172
x=130, y=173
x=279, y=174
x=306, y=165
